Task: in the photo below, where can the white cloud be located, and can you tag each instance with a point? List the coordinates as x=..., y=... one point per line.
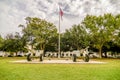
x=13, y=12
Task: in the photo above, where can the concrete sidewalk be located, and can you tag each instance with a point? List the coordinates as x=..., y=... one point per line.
x=58, y=62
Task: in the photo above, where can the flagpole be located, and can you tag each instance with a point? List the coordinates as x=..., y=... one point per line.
x=59, y=37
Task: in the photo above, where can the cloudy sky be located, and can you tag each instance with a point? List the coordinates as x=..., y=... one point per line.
x=14, y=12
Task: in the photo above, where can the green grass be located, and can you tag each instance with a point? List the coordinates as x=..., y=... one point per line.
x=12, y=71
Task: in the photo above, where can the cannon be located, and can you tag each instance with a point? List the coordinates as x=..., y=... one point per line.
x=29, y=58
x=84, y=53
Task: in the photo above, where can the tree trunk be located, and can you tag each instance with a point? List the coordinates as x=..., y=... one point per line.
x=42, y=47
x=15, y=53
x=100, y=52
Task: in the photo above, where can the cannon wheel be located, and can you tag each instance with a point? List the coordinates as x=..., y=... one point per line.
x=86, y=58
x=74, y=57
x=41, y=57
x=28, y=57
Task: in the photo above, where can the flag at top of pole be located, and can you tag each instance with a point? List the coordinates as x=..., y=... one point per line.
x=61, y=13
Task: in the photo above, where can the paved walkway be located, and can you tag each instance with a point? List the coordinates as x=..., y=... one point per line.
x=58, y=62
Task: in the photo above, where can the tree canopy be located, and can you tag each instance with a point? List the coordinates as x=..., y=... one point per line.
x=102, y=29
x=100, y=32
x=77, y=37
x=39, y=31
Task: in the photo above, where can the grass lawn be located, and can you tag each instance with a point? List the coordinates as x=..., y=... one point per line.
x=12, y=71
